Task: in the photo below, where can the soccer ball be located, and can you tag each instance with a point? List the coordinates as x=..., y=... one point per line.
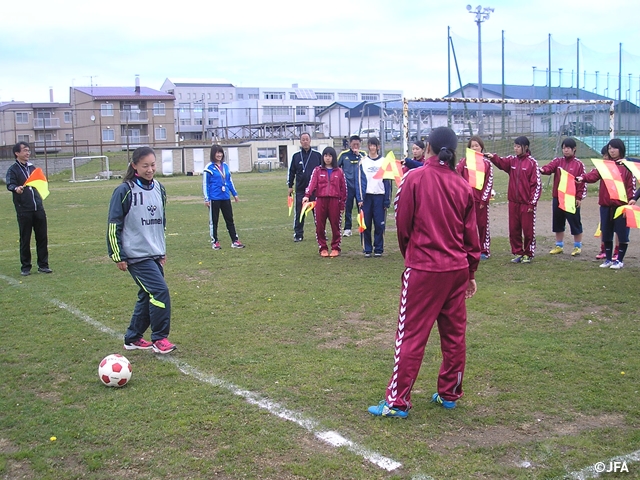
x=114, y=370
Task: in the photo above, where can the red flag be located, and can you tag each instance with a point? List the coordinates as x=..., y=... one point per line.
x=38, y=181
x=567, y=192
x=476, y=169
x=290, y=203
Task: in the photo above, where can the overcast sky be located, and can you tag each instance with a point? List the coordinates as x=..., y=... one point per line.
x=369, y=44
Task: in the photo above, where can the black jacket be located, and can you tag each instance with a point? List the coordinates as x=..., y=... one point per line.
x=301, y=168
x=29, y=200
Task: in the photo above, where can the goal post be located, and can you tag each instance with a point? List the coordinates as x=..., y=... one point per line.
x=90, y=169
x=495, y=119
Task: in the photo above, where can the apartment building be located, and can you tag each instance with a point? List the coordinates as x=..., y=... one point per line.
x=43, y=125
x=118, y=118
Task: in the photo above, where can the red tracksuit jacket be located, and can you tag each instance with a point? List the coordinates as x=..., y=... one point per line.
x=444, y=238
x=572, y=165
x=484, y=195
x=524, y=178
x=604, y=199
x=325, y=186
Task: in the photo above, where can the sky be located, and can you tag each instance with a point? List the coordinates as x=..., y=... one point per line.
x=355, y=44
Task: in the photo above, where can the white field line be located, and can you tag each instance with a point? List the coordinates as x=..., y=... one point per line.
x=590, y=472
x=332, y=438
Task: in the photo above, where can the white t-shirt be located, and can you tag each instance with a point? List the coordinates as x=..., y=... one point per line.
x=370, y=167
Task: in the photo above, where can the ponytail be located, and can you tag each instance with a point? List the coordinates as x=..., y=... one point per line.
x=447, y=156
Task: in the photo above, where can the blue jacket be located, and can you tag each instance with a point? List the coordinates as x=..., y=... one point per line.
x=215, y=186
x=348, y=162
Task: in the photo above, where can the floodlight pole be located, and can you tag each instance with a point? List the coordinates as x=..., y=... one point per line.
x=482, y=14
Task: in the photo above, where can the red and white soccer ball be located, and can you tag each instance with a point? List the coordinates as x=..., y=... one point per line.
x=114, y=370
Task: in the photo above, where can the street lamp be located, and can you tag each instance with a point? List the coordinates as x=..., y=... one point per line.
x=482, y=14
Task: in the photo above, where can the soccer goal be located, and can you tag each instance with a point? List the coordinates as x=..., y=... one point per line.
x=90, y=169
x=498, y=122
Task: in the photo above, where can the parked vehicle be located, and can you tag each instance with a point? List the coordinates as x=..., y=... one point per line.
x=368, y=132
x=577, y=129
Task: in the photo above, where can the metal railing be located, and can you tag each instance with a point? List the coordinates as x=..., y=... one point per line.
x=134, y=116
x=39, y=123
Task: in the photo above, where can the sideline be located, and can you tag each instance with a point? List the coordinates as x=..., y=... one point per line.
x=313, y=426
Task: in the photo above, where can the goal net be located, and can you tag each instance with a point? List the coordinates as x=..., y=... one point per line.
x=545, y=122
x=91, y=169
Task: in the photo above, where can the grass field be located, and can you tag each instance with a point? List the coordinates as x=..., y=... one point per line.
x=274, y=333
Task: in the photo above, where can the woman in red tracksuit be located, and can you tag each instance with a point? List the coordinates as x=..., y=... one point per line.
x=523, y=194
x=438, y=237
x=482, y=197
x=329, y=186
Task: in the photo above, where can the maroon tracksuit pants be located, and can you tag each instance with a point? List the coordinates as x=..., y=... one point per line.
x=426, y=298
x=328, y=208
x=482, y=216
x=522, y=224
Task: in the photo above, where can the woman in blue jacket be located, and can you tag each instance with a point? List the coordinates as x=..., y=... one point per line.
x=217, y=188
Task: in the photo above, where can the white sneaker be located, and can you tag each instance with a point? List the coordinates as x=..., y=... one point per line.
x=616, y=265
x=606, y=264
x=347, y=233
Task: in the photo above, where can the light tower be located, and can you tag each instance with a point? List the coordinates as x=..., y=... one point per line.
x=482, y=15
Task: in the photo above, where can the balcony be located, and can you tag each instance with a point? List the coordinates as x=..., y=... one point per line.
x=134, y=141
x=52, y=146
x=45, y=123
x=132, y=116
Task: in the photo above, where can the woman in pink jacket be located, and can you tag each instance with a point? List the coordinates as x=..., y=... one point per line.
x=329, y=186
x=438, y=238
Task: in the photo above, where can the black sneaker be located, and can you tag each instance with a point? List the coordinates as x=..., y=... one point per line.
x=297, y=239
x=45, y=270
x=25, y=273
x=367, y=254
x=377, y=254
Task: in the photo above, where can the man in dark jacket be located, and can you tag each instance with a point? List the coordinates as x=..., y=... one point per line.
x=300, y=169
x=31, y=214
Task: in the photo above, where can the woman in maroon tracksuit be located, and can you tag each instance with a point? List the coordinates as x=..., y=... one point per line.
x=329, y=186
x=523, y=194
x=482, y=197
x=438, y=237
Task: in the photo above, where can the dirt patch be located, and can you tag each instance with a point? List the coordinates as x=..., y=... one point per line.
x=540, y=428
x=187, y=199
x=572, y=314
x=354, y=330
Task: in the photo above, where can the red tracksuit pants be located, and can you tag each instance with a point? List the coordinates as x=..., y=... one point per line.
x=328, y=208
x=426, y=298
x=522, y=224
x=482, y=216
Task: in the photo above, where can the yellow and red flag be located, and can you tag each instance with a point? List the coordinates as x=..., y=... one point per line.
x=632, y=214
x=611, y=177
x=361, y=225
x=567, y=192
x=598, y=231
x=391, y=169
x=290, y=203
x=306, y=208
x=38, y=181
x=476, y=169
x=633, y=168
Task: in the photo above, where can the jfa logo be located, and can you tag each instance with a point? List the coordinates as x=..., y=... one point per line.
x=152, y=209
x=602, y=467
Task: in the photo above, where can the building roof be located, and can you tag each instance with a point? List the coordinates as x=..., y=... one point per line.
x=443, y=107
x=124, y=93
x=530, y=92
x=37, y=105
x=200, y=82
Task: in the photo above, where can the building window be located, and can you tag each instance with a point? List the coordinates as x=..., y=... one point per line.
x=23, y=138
x=273, y=95
x=68, y=117
x=197, y=121
x=184, y=107
x=254, y=96
x=188, y=96
x=324, y=96
x=392, y=96
x=68, y=138
x=158, y=109
x=301, y=111
x=319, y=110
x=106, y=110
x=292, y=96
x=279, y=110
x=241, y=96
x=22, y=117
x=348, y=96
x=185, y=121
x=161, y=133
x=108, y=135
x=264, y=153
x=213, y=108
x=208, y=96
x=231, y=96
x=179, y=96
x=370, y=97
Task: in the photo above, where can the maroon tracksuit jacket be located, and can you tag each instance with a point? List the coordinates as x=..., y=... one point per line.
x=523, y=194
x=571, y=165
x=331, y=196
x=482, y=198
x=438, y=238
